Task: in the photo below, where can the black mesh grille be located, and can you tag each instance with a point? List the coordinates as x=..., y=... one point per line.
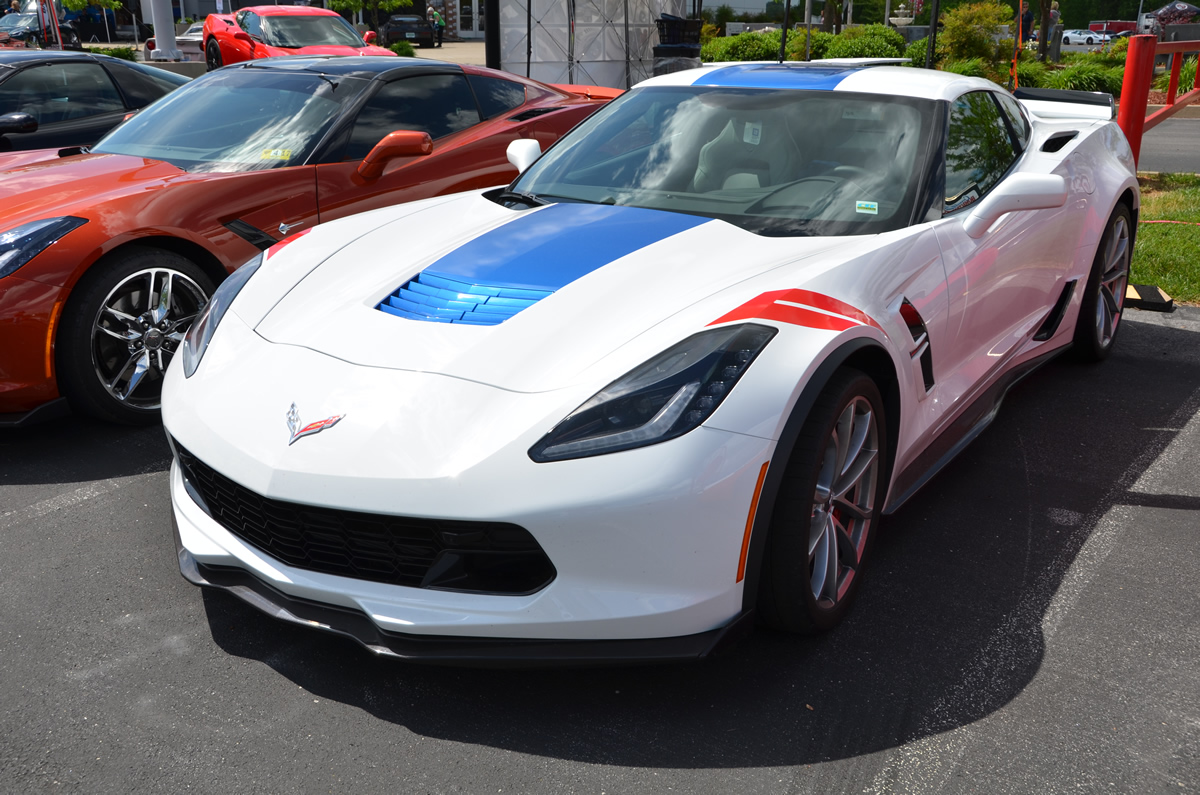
x=478, y=557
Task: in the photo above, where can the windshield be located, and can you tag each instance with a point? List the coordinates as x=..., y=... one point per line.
x=14, y=21
x=237, y=120
x=308, y=31
x=772, y=162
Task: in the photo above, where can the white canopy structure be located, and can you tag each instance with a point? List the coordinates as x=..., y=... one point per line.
x=585, y=42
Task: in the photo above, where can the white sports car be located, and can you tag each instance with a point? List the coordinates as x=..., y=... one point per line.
x=662, y=386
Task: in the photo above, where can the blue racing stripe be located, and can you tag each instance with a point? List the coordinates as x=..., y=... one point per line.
x=552, y=247
x=774, y=75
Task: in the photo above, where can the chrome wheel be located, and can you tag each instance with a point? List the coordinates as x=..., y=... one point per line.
x=843, y=503
x=1114, y=277
x=137, y=330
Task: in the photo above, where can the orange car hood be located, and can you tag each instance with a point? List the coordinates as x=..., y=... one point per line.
x=54, y=185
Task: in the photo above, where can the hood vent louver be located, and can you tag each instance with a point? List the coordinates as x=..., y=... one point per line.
x=438, y=299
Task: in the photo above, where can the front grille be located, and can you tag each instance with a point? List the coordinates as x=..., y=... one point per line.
x=475, y=557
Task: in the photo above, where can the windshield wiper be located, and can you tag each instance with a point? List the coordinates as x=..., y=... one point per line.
x=516, y=195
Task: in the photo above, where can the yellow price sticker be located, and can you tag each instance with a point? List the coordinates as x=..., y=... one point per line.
x=276, y=154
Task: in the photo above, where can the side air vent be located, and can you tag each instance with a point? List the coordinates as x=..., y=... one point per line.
x=532, y=113
x=920, y=352
x=1052, y=321
x=1060, y=139
x=442, y=300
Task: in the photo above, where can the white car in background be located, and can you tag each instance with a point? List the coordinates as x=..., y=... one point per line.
x=662, y=386
x=1085, y=37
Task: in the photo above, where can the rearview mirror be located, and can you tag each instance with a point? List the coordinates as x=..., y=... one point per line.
x=1018, y=192
x=401, y=143
x=369, y=37
x=523, y=152
x=17, y=123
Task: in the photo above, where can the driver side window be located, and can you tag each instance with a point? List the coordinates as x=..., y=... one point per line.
x=979, y=150
x=436, y=104
x=250, y=23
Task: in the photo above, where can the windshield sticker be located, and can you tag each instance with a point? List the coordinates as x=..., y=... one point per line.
x=870, y=208
x=967, y=198
x=753, y=133
x=276, y=154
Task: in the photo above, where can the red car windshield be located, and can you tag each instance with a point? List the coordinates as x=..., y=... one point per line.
x=309, y=31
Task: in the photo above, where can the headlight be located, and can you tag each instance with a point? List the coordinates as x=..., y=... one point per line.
x=205, y=325
x=18, y=246
x=666, y=397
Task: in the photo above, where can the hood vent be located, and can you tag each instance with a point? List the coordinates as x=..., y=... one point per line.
x=441, y=300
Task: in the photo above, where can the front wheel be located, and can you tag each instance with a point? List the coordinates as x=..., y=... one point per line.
x=1104, y=295
x=122, y=325
x=212, y=55
x=828, y=507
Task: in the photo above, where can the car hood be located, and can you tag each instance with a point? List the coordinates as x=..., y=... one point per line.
x=52, y=184
x=564, y=285
x=333, y=49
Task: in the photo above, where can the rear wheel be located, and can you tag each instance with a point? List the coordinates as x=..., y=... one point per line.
x=121, y=327
x=1104, y=295
x=828, y=507
x=212, y=55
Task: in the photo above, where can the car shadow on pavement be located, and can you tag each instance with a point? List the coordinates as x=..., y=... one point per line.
x=949, y=628
x=97, y=450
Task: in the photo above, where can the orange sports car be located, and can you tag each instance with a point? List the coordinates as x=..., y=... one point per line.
x=270, y=31
x=106, y=255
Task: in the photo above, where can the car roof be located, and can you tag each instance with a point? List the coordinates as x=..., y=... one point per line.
x=347, y=65
x=19, y=58
x=864, y=75
x=267, y=11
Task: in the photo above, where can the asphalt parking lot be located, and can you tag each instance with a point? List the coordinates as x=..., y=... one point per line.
x=1029, y=626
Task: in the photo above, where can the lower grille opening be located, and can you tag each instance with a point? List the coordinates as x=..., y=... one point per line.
x=472, y=557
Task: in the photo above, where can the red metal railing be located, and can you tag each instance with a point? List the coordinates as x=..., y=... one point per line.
x=1135, y=88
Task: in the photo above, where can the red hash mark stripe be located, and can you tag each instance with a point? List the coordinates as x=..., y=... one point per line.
x=768, y=307
x=275, y=249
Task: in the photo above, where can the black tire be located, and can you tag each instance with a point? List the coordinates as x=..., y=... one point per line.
x=119, y=332
x=1103, y=302
x=809, y=516
x=212, y=55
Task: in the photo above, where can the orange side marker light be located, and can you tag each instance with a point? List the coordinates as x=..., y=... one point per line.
x=762, y=475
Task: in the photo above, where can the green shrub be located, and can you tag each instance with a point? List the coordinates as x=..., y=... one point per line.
x=124, y=53
x=888, y=34
x=1031, y=74
x=820, y=44
x=862, y=47
x=972, y=67
x=1079, y=77
x=1187, y=77
x=742, y=47
x=403, y=49
x=969, y=30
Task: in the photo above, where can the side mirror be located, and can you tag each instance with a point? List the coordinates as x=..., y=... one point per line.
x=369, y=37
x=17, y=123
x=402, y=143
x=1018, y=192
x=242, y=35
x=523, y=152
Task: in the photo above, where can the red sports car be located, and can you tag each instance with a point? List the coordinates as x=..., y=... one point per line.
x=107, y=255
x=269, y=31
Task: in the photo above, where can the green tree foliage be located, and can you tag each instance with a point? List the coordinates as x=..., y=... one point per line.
x=817, y=50
x=1187, y=77
x=866, y=41
x=373, y=8
x=916, y=51
x=79, y=5
x=742, y=47
x=971, y=67
x=888, y=34
x=969, y=30
x=403, y=49
x=1031, y=73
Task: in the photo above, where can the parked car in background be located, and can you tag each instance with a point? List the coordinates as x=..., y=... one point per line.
x=190, y=42
x=105, y=257
x=1084, y=37
x=270, y=31
x=406, y=27
x=664, y=385
x=26, y=26
x=72, y=98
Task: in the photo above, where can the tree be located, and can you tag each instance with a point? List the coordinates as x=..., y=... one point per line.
x=373, y=7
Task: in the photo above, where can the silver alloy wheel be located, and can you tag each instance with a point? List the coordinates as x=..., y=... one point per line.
x=1110, y=298
x=843, y=502
x=137, y=330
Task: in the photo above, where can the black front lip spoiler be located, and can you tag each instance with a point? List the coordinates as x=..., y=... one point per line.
x=475, y=652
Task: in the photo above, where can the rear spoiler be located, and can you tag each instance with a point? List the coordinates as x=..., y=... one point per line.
x=1052, y=103
x=590, y=92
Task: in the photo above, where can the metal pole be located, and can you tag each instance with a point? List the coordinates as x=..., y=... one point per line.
x=808, y=30
x=787, y=8
x=933, y=17
x=528, y=35
x=491, y=33
x=628, y=81
x=571, y=41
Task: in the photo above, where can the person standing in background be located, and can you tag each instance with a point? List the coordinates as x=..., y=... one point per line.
x=437, y=23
